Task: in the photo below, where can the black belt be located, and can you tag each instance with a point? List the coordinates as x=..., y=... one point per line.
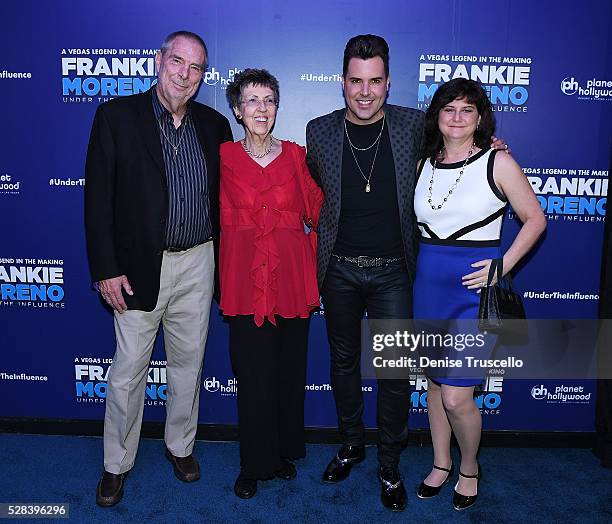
x=176, y=249
x=364, y=261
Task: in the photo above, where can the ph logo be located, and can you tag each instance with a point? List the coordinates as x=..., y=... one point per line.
x=211, y=384
x=539, y=392
x=212, y=77
x=569, y=86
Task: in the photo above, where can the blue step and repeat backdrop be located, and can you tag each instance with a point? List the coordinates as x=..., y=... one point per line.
x=546, y=67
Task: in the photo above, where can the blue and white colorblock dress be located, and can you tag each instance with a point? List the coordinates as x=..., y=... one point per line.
x=465, y=230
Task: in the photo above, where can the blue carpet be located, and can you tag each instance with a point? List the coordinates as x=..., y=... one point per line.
x=520, y=485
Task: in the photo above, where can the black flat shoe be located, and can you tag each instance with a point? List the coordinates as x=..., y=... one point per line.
x=340, y=466
x=287, y=470
x=425, y=491
x=465, y=501
x=393, y=493
x=244, y=487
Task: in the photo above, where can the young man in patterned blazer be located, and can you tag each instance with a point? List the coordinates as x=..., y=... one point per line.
x=364, y=157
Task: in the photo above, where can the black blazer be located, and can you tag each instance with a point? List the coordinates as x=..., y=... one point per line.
x=126, y=193
x=324, y=142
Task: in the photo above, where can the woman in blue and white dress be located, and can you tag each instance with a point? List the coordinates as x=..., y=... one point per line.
x=460, y=199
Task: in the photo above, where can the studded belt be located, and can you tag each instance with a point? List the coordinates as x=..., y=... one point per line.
x=365, y=261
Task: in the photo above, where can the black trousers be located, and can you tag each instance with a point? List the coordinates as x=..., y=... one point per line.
x=270, y=365
x=386, y=293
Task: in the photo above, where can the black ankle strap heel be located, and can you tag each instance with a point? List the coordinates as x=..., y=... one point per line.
x=460, y=501
x=425, y=491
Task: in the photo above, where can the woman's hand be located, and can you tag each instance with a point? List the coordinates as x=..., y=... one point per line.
x=499, y=143
x=478, y=279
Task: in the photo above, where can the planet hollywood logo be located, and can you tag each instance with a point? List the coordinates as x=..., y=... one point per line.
x=561, y=394
x=591, y=89
x=214, y=77
x=569, y=86
x=9, y=185
x=539, y=392
x=213, y=385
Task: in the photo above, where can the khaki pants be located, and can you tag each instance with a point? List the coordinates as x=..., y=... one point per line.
x=183, y=309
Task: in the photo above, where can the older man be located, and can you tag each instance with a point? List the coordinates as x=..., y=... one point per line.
x=151, y=214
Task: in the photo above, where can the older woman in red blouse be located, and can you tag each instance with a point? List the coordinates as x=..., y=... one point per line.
x=269, y=204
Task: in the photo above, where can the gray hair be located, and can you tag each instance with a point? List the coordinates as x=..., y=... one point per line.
x=256, y=77
x=185, y=34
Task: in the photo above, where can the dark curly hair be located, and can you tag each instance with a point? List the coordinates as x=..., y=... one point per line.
x=455, y=89
x=247, y=77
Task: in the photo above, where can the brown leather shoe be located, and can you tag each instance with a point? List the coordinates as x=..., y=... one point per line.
x=186, y=469
x=110, y=489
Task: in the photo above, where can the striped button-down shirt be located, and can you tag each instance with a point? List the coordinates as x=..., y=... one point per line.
x=188, y=222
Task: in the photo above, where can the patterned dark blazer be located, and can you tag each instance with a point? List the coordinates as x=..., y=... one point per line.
x=324, y=142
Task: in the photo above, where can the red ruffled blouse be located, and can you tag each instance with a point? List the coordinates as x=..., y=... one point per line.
x=267, y=265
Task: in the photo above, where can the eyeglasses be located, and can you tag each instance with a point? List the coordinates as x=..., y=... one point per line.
x=253, y=101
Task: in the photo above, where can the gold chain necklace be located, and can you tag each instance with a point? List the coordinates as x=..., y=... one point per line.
x=434, y=206
x=352, y=148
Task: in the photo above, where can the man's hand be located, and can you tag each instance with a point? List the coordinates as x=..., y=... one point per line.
x=110, y=289
x=499, y=143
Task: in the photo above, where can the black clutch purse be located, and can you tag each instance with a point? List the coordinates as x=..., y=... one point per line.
x=499, y=306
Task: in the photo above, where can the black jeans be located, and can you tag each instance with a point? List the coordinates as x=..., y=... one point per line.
x=270, y=365
x=386, y=293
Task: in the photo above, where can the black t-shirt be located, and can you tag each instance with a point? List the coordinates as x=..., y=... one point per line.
x=369, y=222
